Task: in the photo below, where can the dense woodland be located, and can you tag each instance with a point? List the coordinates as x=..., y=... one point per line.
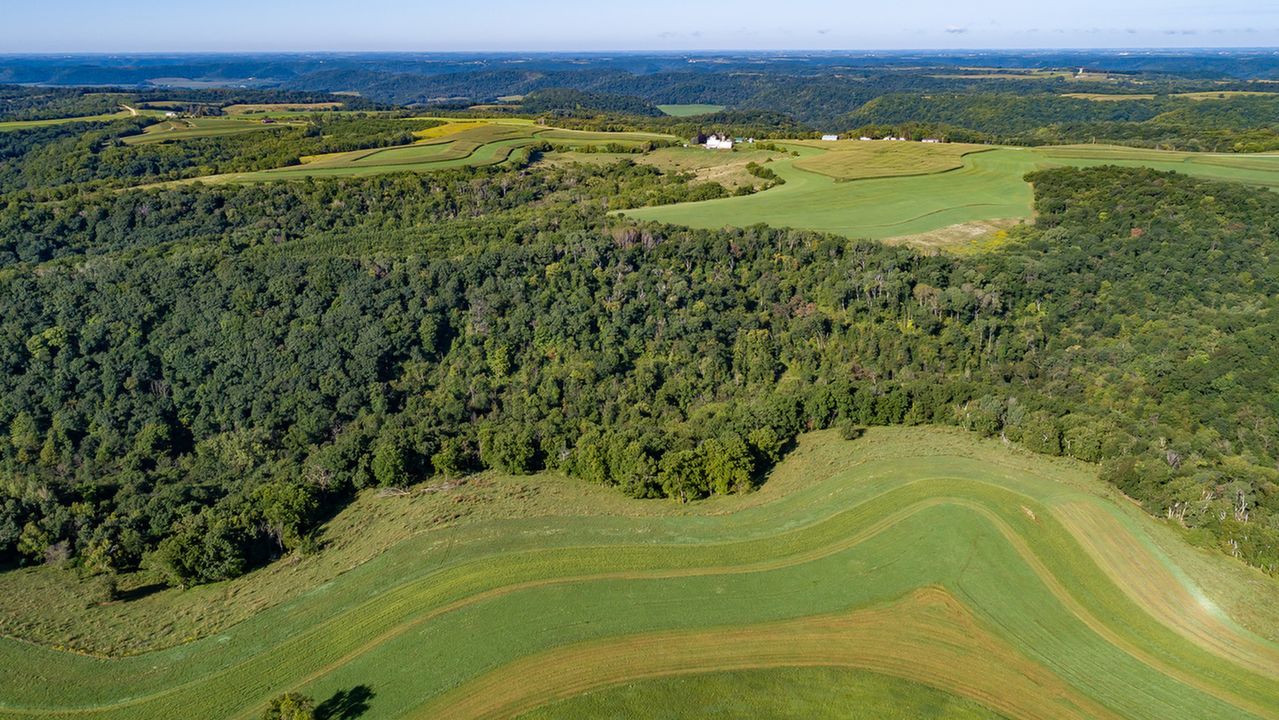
x=193, y=378
x=197, y=397
x=1226, y=124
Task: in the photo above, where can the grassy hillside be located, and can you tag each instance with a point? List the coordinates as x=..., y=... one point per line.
x=796, y=693
x=187, y=128
x=454, y=144
x=728, y=169
x=959, y=572
x=988, y=186
x=689, y=110
x=10, y=125
x=857, y=160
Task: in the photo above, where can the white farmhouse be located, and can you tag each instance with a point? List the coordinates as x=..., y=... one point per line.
x=719, y=142
x=830, y=138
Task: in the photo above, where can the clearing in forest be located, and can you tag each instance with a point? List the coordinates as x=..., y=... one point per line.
x=9, y=125
x=689, y=109
x=198, y=127
x=256, y=108
x=987, y=186
x=859, y=159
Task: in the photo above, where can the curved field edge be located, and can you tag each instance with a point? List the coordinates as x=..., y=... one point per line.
x=795, y=693
x=462, y=144
x=926, y=637
x=908, y=159
x=988, y=186
x=887, y=498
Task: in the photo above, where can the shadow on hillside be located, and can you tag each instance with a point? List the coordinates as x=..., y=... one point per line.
x=345, y=704
x=139, y=592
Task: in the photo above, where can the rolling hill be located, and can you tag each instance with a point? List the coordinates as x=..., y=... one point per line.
x=971, y=577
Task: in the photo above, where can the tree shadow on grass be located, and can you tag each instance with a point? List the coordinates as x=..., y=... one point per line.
x=139, y=592
x=345, y=704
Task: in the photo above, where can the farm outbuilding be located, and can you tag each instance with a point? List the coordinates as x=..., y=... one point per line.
x=719, y=142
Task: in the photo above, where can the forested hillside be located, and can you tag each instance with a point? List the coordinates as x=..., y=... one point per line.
x=1225, y=124
x=192, y=379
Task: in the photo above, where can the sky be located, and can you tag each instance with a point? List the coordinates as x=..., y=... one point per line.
x=60, y=26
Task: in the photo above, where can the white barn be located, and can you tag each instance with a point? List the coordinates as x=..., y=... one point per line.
x=830, y=138
x=719, y=142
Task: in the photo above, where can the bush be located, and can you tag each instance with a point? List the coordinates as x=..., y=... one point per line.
x=290, y=706
x=851, y=431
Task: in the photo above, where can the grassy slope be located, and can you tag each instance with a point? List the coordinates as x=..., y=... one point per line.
x=798, y=693
x=857, y=159
x=25, y=124
x=256, y=108
x=463, y=143
x=1206, y=95
x=920, y=554
x=727, y=169
x=197, y=127
x=689, y=110
x=988, y=186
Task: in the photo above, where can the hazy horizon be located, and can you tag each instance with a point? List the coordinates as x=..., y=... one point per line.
x=1029, y=51
x=239, y=26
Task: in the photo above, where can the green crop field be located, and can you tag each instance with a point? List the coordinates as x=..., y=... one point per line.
x=1109, y=97
x=257, y=108
x=953, y=576
x=988, y=186
x=182, y=129
x=26, y=124
x=1224, y=94
x=857, y=159
x=791, y=693
x=727, y=169
x=462, y=143
x=689, y=110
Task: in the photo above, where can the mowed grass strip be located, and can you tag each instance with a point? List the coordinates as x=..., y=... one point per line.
x=1149, y=579
x=927, y=637
x=412, y=154
x=800, y=693
x=984, y=532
